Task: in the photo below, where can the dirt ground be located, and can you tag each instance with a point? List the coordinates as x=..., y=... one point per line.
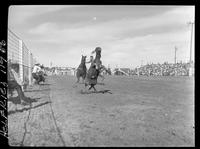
x=138, y=111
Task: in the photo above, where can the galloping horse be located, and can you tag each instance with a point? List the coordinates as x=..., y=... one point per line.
x=81, y=70
x=94, y=70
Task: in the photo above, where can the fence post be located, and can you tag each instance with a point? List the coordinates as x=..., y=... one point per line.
x=20, y=60
x=29, y=67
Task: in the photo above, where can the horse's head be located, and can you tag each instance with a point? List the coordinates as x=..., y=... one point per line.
x=97, y=50
x=83, y=59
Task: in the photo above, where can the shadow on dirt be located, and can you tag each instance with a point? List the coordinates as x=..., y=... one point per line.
x=28, y=108
x=96, y=92
x=16, y=100
x=76, y=85
x=98, y=83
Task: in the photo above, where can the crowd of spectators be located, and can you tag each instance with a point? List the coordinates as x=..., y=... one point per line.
x=165, y=69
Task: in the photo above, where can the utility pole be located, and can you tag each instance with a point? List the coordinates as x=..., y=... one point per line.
x=141, y=62
x=175, y=55
x=191, y=23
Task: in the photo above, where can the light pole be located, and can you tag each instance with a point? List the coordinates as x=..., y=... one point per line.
x=191, y=23
x=175, y=55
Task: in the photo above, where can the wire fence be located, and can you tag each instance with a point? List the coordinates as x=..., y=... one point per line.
x=21, y=58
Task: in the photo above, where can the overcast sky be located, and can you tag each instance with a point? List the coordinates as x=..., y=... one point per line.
x=127, y=35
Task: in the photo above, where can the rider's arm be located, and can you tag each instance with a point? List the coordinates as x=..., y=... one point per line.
x=88, y=61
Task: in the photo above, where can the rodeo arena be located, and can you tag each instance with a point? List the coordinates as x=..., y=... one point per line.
x=150, y=105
